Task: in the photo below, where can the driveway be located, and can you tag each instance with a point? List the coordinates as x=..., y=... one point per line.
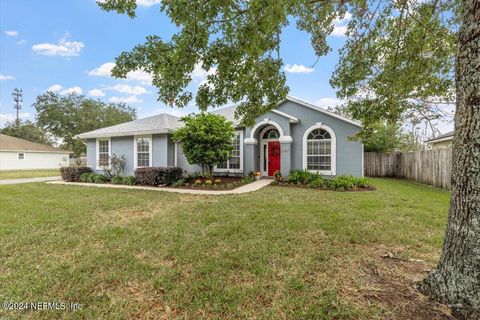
x=29, y=180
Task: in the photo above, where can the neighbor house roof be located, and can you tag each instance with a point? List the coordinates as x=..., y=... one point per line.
x=442, y=137
x=166, y=123
x=162, y=123
x=9, y=143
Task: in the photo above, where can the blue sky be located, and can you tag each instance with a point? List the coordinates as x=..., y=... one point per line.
x=69, y=46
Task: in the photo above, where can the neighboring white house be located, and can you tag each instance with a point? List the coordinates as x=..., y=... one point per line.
x=20, y=154
x=441, y=141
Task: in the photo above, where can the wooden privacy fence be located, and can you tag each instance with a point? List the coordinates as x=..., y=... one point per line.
x=433, y=167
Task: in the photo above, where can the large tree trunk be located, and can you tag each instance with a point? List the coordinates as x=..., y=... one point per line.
x=456, y=280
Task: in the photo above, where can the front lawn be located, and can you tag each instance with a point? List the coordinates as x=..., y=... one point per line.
x=20, y=174
x=278, y=253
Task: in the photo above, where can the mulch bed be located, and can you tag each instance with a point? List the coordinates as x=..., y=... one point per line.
x=227, y=183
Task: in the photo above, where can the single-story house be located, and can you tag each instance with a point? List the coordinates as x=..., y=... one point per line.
x=295, y=135
x=441, y=141
x=21, y=154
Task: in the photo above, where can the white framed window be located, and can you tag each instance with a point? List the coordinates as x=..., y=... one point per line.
x=235, y=162
x=103, y=152
x=319, y=149
x=143, y=151
x=21, y=156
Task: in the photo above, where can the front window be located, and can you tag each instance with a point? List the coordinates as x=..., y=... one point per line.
x=103, y=152
x=234, y=162
x=143, y=152
x=319, y=150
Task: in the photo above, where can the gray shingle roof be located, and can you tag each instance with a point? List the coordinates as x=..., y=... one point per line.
x=9, y=143
x=442, y=136
x=162, y=123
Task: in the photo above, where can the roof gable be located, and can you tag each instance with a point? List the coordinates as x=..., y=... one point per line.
x=9, y=143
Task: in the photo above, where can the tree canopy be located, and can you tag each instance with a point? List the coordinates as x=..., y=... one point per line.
x=206, y=139
x=26, y=130
x=66, y=116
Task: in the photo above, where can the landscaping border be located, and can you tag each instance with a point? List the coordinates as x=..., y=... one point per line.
x=254, y=186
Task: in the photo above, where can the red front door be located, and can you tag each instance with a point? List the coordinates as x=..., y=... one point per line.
x=273, y=157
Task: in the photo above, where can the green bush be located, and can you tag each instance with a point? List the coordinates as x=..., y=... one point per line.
x=87, y=177
x=129, y=180
x=302, y=177
x=179, y=183
x=117, y=180
x=99, y=178
x=348, y=182
x=153, y=176
x=248, y=179
x=319, y=182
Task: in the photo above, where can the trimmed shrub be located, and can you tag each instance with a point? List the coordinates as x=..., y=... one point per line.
x=72, y=174
x=153, y=176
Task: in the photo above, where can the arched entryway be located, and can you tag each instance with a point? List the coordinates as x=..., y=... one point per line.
x=270, y=151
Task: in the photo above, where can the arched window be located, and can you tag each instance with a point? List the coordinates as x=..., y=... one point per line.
x=271, y=134
x=319, y=150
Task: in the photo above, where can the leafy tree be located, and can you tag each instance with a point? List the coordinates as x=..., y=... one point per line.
x=26, y=130
x=66, y=116
x=206, y=139
x=397, y=53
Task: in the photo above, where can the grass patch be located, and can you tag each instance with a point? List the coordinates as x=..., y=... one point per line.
x=280, y=253
x=19, y=174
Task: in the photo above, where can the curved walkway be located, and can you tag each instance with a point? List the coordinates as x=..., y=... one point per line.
x=28, y=180
x=254, y=186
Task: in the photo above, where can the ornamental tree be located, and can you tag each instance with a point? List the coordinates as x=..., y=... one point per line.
x=399, y=56
x=206, y=140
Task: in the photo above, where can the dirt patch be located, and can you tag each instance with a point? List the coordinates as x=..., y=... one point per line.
x=392, y=281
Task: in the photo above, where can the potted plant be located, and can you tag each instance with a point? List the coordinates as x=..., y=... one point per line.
x=257, y=175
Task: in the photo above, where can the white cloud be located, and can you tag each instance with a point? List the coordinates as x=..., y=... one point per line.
x=55, y=88
x=199, y=74
x=76, y=90
x=11, y=33
x=133, y=90
x=298, y=68
x=96, y=93
x=148, y=3
x=328, y=102
x=5, y=77
x=340, y=25
x=63, y=48
x=129, y=99
x=20, y=42
x=105, y=70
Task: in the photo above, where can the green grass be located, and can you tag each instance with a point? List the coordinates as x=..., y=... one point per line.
x=277, y=253
x=19, y=174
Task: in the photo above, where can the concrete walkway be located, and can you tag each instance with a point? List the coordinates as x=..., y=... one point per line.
x=29, y=180
x=254, y=186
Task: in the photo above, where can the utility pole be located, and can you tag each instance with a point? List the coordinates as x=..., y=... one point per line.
x=18, y=99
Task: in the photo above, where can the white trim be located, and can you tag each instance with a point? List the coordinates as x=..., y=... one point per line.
x=333, y=149
x=264, y=142
x=18, y=156
x=285, y=139
x=121, y=134
x=314, y=107
x=97, y=155
x=250, y=141
x=240, y=170
x=175, y=156
x=292, y=118
x=264, y=122
x=150, y=150
x=363, y=159
x=432, y=141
